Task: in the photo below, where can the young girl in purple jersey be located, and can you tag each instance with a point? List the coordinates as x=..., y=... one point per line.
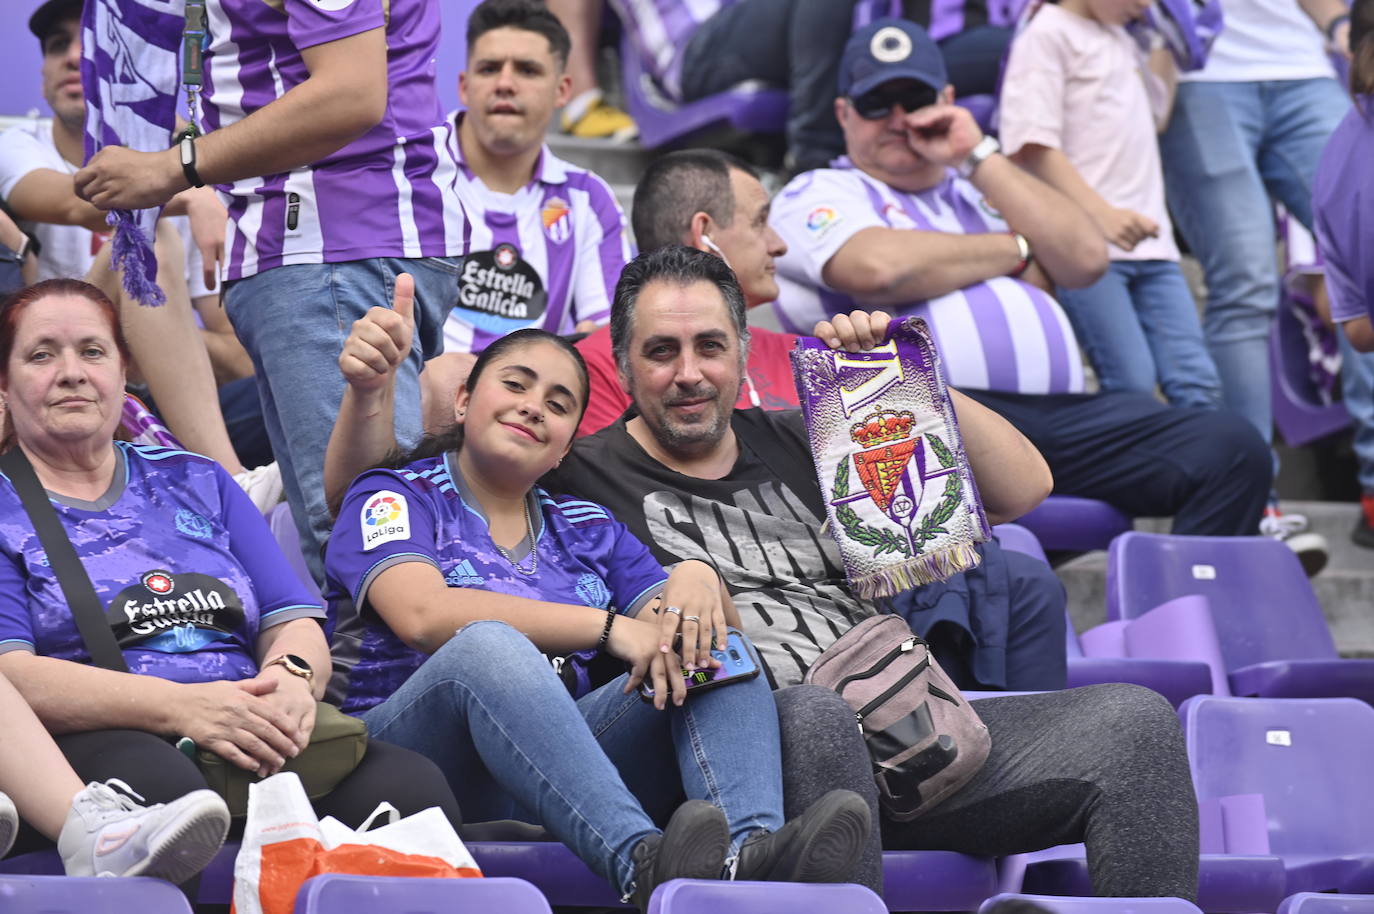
x=450, y=574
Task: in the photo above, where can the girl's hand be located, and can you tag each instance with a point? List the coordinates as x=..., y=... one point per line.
x=636, y=641
x=691, y=606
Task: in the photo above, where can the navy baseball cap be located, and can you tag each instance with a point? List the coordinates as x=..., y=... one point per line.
x=888, y=49
x=46, y=17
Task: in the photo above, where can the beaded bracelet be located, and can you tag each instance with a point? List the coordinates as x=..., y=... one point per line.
x=606, y=632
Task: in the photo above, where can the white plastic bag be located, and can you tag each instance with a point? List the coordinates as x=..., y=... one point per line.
x=284, y=844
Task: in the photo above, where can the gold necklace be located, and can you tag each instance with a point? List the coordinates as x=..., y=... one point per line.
x=534, y=551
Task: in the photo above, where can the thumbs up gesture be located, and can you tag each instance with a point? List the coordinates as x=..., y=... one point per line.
x=380, y=340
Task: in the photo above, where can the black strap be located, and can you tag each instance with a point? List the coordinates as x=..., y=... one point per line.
x=66, y=566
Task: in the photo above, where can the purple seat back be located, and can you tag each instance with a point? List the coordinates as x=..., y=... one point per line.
x=284, y=531
x=1324, y=903
x=1308, y=757
x=1066, y=905
x=1299, y=412
x=339, y=892
x=1067, y=522
x=1262, y=605
x=693, y=896
x=73, y=895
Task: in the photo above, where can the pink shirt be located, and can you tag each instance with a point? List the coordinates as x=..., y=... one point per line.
x=1079, y=86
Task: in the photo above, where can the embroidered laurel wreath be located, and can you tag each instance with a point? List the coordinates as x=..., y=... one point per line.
x=883, y=419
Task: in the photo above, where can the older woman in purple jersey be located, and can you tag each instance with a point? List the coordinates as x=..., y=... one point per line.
x=452, y=571
x=220, y=640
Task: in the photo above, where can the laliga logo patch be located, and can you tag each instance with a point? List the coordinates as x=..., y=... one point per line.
x=821, y=220
x=159, y=582
x=385, y=517
x=890, y=45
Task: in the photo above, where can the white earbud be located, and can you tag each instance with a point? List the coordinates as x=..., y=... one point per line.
x=706, y=240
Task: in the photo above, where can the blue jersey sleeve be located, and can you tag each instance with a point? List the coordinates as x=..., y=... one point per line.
x=383, y=522
x=16, y=625
x=632, y=574
x=281, y=594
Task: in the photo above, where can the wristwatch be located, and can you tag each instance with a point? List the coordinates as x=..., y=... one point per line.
x=188, y=159
x=987, y=146
x=293, y=664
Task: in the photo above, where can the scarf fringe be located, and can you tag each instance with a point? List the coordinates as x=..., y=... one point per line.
x=914, y=572
x=133, y=254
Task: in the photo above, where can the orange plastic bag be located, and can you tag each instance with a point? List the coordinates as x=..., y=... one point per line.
x=284, y=844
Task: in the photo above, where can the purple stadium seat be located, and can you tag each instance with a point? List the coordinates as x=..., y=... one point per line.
x=1271, y=632
x=1175, y=679
x=70, y=895
x=335, y=893
x=691, y=896
x=1073, y=524
x=1308, y=758
x=1324, y=903
x=1299, y=412
x=1058, y=904
x=289, y=539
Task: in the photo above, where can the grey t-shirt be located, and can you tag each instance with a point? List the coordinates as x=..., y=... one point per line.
x=762, y=535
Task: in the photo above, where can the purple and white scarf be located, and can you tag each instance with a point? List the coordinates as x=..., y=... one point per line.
x=899, y=495
x=129, y=71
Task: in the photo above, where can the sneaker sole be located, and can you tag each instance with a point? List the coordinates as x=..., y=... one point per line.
x=1311, y=550
x=833, y=850
x=9, y=824
x=188, y=843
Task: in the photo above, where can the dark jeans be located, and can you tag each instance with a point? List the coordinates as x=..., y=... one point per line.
x=1104, y=765
x=160, y=772
x=1208, y=469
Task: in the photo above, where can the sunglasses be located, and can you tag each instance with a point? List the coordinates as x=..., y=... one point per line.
x=878, y=103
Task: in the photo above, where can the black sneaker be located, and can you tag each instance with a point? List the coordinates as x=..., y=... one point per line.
x=823, y=844
x=693, y=846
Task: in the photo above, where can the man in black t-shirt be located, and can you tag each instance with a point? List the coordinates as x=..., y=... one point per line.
x=695, y=478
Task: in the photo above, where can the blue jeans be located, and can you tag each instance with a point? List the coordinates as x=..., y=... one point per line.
x=1229, y=149
x=1357, y=392
x=1139, y=326
x=293, y=321
x=597, y=772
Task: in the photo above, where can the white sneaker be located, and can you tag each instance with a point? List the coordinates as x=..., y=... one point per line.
x=108, y=834
x=9, y=824
x=263, y=485
x=1292, y=530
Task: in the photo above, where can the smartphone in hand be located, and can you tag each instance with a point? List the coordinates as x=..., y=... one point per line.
x=738, y=662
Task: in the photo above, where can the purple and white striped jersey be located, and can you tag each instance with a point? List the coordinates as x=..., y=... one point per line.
x=548, y=255
x=388, y=193
x=1000, y=334
x=660, y=30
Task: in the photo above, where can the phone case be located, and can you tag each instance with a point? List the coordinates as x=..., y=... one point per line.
x=739, y=662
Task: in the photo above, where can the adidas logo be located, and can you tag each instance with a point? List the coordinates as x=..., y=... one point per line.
x=464, y=575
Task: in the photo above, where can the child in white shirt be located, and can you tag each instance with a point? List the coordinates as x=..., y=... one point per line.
x=1080, y=108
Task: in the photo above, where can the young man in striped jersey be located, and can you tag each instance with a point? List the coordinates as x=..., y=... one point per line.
x=325, y=138
x=548, y=238
x=925, y=217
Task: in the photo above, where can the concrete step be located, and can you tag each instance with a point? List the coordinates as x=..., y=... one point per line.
x=616, y=163
x=1345, y=588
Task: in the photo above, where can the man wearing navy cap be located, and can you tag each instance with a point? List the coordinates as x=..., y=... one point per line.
x=926, y=217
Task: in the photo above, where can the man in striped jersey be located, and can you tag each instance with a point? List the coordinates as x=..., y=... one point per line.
x=548, y=238
x=925, y=216
x=328, y=145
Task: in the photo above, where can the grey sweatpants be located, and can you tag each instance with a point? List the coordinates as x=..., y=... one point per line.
x=1104, y=765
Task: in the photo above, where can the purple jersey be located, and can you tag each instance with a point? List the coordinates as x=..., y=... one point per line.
x=389, y=193
x=425, y=513
x=660, y=30
x=185, y=566
x=545, y=256
x=1343, y=213
x=1001, y=334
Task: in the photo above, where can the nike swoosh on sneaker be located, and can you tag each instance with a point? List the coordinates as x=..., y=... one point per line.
x=111, y=842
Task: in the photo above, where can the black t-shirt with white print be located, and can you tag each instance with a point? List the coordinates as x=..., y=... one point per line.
x=763, y=536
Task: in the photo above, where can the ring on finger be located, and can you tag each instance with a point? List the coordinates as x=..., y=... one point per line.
x=674, y=610
x=691, y=619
